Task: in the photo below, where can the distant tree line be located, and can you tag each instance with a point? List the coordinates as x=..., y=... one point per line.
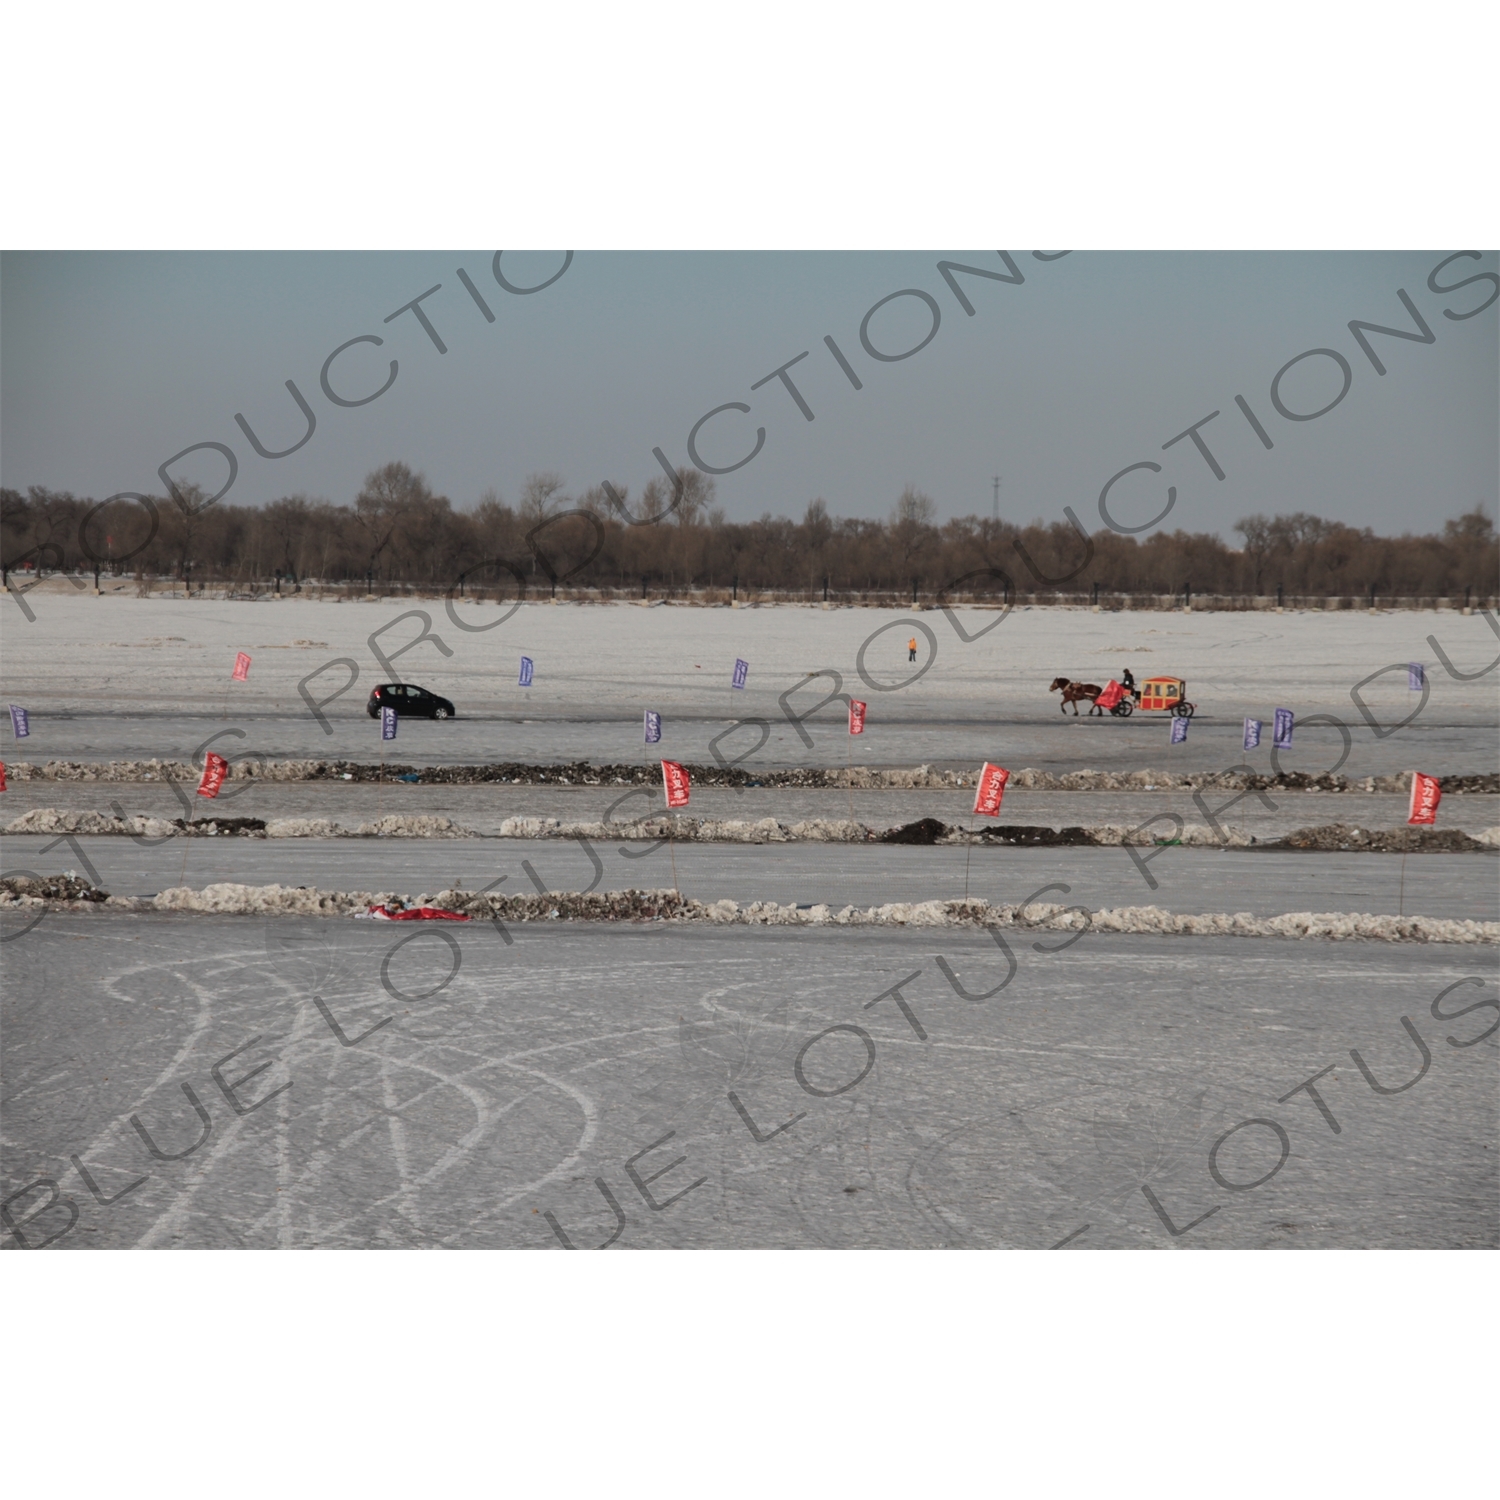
x=673, y=537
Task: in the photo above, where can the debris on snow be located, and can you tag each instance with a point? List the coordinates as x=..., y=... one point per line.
x=1343, y=838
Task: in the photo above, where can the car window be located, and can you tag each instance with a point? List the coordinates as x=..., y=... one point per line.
x=1171, y=690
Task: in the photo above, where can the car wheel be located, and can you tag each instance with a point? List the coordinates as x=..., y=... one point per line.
x=440, y=713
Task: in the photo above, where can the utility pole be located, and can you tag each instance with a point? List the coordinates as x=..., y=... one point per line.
x=997, y=499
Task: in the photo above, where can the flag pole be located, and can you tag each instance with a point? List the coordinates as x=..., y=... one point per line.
x=1405, y=845
x=182, y=878
x=968, y=855
x=849, y=776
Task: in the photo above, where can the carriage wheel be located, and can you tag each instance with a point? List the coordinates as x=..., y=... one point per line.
x=1184, y=711
x=1123, y=709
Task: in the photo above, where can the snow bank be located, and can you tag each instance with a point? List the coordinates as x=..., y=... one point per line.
x=1193, y=836
x=303, y=828
x=635, y=905
x=695, y=830
x=1334, y=837
x=831, y=777
x=414, y=826
x=54, y=820
x=259, y=900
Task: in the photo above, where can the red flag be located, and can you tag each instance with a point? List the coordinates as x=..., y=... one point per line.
x=1111, y=695
x=2, y=775
x=992, y=781
x=856, y=716
x=1425, y=796
x=241, y=667
x=215, y=769
x=675, y=780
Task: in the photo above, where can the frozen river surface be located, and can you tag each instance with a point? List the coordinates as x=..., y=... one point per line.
x=653, y=1087
x=118, y=677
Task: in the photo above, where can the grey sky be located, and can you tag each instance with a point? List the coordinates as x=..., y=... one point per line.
x=112, y=363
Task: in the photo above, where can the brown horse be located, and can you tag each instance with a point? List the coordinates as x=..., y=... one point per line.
x=1075, y=693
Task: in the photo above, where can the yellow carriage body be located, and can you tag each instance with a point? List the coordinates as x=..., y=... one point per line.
x=1163, y=692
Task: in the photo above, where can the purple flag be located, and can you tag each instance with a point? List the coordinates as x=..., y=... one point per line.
x=1252, y=733
x=526, y=670
x=1281, y=731
x=741, y=672
x=1416, y=676
x=387, y=723
x=20, y=722
x=1179, y=730
x=653, y=728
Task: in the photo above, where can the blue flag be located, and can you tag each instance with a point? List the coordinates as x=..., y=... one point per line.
x=1252, y=733
x=20, y=722
x=741, y=672
x=1415, y=678
x=1179, y=730
x=653, y=728
x=526, y=669
x=1281, y=731
x=387, y=723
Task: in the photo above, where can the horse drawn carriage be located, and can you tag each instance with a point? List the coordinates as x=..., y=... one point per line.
x=1155, y=695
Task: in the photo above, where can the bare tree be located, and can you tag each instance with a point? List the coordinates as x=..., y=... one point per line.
x=655, y=498
x=1472, y=529
x=288, y=520
x=191, y=503
x=540, y=496
x=596, y=499
x=911, y=524
x=388, y=496
x=697, y=496
x=815, y=523
x=1258, y=534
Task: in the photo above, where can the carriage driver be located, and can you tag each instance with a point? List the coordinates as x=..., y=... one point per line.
x=1127, y=681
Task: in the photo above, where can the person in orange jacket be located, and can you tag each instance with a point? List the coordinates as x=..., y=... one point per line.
x=911, y=649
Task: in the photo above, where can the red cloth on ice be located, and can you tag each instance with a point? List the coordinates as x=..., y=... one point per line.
x=416, y=914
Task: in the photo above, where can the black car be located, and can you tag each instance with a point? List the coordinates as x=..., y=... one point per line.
x=408, y=699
